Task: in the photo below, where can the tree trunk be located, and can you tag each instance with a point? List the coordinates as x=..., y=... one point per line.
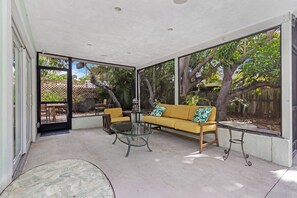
x=152, y=96
x=100, y=84
x=185, y=84
x=184, y=72
x=223, y=97
x=109, y=91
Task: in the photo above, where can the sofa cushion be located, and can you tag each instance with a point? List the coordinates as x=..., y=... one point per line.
x=192, y=112
x=193, y=109
x=158, y=111
x=114, y=112
x=120, y=119
x=202, y=114
x=212, y=116
x=180, y=111
x=189, y=126
x=168, y=109
x=163, y=121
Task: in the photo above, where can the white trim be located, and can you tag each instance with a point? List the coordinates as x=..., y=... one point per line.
x=176, y=81
x=287, y=86
x=286, y=79
x=252, y=29
x=34, y=99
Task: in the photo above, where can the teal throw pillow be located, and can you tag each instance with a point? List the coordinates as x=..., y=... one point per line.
x=202, y=114
x=158, y=111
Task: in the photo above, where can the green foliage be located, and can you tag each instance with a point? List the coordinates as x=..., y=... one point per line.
x=161, y=80
x=256, y=58
x=193, y=99
x=52, y=62
x=120, y=80
x=52, y=96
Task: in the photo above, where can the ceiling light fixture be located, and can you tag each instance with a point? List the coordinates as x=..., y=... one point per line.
x=90, y=44
x=118, y=9
x=180, y=1
x=170, y=29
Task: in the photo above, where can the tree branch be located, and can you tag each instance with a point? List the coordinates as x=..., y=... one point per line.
x=205, y=60
x=104, y=86
x=253, y=86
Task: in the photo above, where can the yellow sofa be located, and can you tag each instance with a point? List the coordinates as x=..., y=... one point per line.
x=112, y=115
x=180, y=117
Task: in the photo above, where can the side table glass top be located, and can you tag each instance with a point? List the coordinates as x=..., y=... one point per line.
x=239, y=125
x=249, y=128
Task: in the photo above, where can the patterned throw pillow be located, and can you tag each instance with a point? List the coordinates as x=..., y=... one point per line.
x=202, y=114
x=158, y=111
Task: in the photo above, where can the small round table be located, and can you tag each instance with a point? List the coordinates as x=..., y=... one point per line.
x=132, y=134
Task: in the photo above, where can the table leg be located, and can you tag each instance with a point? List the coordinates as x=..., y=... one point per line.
x=249, y=163
x=116, y=137
x=129, y=146
x=146, y=141
x=230, y=144
x=54, y=113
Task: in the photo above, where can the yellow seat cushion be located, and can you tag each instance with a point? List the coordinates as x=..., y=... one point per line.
x=114, y=112
x=162, y=121
x=120, y=119
x=167, y=112
x=186, y=125
x=180, y=111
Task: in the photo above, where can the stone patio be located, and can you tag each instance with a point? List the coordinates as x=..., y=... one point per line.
x=174, y=168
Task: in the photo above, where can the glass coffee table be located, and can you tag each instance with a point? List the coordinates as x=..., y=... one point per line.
x=132, y=134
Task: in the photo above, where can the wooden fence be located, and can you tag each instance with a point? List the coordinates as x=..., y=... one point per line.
x=266, y=104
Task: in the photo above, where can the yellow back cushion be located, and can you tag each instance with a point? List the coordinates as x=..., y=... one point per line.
x=192, y=112
x=180, y=111
x=193, y=109
x=114, y=112
x=167, y=111
x=212, y=116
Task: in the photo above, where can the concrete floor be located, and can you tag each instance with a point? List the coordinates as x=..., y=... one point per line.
x=174, y=168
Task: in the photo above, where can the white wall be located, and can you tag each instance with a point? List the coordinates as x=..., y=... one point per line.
x=87, y=122
x=6, y=105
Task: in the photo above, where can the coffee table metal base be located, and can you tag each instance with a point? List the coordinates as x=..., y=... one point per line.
x=139, y=141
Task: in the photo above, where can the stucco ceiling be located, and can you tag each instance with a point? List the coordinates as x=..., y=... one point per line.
x=138, y=34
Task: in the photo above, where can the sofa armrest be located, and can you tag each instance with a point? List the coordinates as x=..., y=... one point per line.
x=106, y=118
x=127, y=113
x=207, y=123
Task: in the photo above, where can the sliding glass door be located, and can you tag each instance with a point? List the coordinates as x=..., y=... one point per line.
x=17, y=79
x=294, y=85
